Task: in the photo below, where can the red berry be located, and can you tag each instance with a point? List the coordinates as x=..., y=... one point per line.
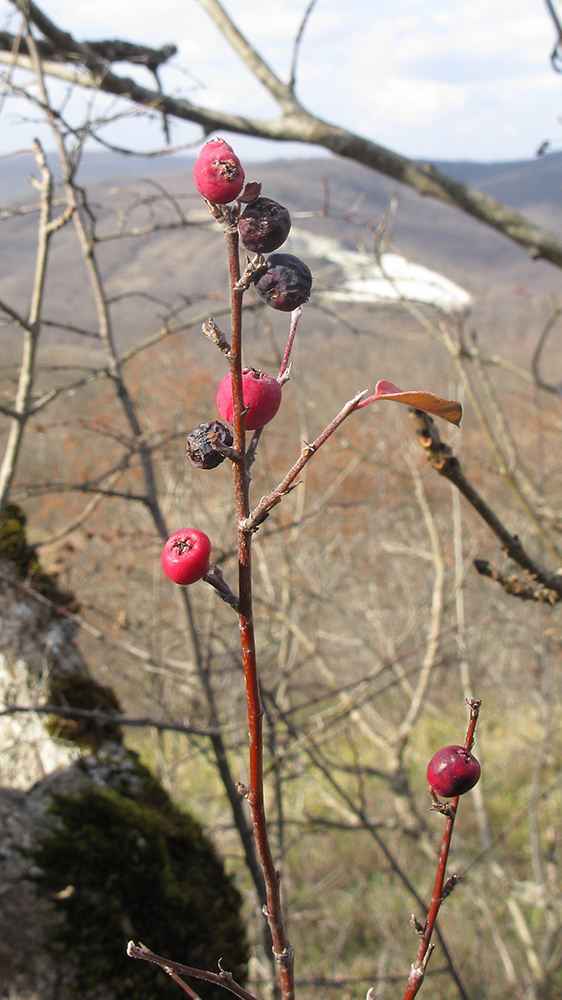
x=453, y=771
x=218, y=174
x=261, y=393
x=185, y=556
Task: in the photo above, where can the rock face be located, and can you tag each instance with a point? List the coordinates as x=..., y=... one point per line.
x=92, y=850
x=34, y=645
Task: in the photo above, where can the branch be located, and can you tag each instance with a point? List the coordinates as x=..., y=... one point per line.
x=441, y=889
x=516, y=587
x=298, y=40
x=296, y=124
x=111, y=718
x=112, y=50
x=220, y=979
x=31, y=327
x=555, y=54
x=282, y=92
x=260, y=512
x=446, y=464
x=282, y=949
x=547, y=330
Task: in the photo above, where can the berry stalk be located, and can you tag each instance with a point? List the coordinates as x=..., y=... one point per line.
x=283, y=951
x=440, y=889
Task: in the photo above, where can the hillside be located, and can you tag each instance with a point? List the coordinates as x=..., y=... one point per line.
x=512, y=294
x=372, y=624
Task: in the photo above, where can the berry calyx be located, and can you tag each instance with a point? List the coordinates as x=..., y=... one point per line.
x=264, y=225
x=261, y=394
x=453, y=771
x=199, y=448
x=218, y=173
x=185, y=556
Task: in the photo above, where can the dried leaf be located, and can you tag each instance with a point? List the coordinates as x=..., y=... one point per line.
x=250, y=192
x=448, y=409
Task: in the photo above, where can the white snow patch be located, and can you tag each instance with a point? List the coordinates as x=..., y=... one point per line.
x=385, y=279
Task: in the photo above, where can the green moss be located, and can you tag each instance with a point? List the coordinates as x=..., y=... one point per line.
x=137, y=872
x=13, y=544
x=14, y=547
x=80, y=691
x=152, y=795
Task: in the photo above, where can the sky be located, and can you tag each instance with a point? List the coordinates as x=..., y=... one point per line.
x=431, y=79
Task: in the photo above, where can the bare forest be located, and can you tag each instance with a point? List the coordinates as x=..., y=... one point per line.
x=384, y=576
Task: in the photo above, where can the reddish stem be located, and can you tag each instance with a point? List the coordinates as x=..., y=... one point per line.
x=282, y=949
x=287, y=483
x=295, y=316
x=417, y=972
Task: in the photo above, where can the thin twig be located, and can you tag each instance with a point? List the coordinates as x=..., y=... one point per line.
x=440, y=889
x=261, y=511
x=31, y=331
x=297, y=43
x=442, y=459
x=547, y=330
x=113, y=719
x=223, y=979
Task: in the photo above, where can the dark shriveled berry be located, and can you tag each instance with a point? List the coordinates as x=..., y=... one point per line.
x=286, y=282
x=264, y=225
x=199, y=449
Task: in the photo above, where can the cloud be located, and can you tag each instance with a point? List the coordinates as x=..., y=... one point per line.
x=419, y=102
x=413, y=74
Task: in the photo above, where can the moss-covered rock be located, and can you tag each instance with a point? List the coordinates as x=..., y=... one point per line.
x=13, y=544
x=83, y=692
x=14, y=547
x=119, y=868
x=106, y=855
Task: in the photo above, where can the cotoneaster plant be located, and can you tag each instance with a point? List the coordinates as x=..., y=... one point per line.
x=185, y=556
x=258, y=225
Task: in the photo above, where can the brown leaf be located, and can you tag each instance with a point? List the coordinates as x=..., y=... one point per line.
x=448, y=409
x=250, y=192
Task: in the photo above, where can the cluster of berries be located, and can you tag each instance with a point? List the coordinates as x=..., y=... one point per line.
x=284, y=282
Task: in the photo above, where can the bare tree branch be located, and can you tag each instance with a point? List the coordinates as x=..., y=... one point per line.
x=555, y=54
x=442, y=459
x=31, y=330
x=535, y=365
x=297, y=124
x=220, y=979
x=112, y=50
x=298, y=40
x=113, y=718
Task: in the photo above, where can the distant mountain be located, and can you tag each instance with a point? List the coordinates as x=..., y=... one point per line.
x=517, y=182
x=512, y=293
